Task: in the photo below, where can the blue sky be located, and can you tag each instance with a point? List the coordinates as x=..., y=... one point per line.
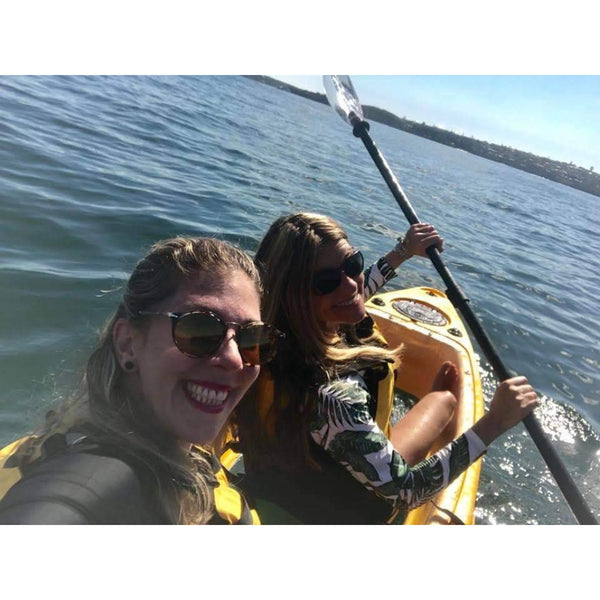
x=555, y=116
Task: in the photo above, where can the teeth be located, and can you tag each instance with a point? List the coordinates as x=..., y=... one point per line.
x=205, y=395
x=351, y=301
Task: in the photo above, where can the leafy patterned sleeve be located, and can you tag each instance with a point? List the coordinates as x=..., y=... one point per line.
x=377, y=275
x=344, y=427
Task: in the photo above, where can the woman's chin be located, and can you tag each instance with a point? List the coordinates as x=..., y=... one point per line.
x=353, y=315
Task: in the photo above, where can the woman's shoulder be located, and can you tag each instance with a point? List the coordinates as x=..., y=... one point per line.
x=349, y=387
x=80, y=487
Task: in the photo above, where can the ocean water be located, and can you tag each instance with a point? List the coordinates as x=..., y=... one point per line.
x=95, y=169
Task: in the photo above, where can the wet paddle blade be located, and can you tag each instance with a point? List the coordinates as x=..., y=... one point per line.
x=343, y=98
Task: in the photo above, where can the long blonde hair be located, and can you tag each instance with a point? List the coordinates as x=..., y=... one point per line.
x=123, y=419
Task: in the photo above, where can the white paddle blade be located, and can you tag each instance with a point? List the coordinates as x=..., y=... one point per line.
x=343, y=97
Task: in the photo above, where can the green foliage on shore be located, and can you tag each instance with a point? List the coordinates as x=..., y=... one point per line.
x=569, y=174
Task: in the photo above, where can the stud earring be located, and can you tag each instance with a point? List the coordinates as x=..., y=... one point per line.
x=129, y=365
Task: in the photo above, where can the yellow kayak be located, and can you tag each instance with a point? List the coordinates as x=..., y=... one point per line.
x=424, y=320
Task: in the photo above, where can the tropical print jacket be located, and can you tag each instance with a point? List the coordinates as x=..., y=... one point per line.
x=344, y=427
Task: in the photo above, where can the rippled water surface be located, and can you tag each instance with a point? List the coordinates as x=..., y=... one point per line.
x=94, y=169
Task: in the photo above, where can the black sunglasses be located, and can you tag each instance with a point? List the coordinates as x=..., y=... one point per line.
x=328, y=280
x=201, y=332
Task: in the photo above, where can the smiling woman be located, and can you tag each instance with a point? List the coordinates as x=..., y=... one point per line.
x=133, y=446
x=316, y=429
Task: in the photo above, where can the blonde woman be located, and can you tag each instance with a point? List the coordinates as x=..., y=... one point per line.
x=133, y=446
x=312, y=446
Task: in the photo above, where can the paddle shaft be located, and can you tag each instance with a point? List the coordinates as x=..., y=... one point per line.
x=572, y=495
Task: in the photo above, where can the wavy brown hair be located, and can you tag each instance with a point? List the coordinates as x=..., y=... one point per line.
x=123, y=420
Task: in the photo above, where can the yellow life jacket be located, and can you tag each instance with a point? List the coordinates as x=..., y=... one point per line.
x=298, y=496
x=230, y=506
x=385, y=401
x=10, y=473
x=379, y=380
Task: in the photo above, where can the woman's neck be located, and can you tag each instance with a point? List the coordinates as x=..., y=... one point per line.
x=330, y=332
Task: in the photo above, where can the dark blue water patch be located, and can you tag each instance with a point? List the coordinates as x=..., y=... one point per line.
x=49, y=382
x=382, y=230
x=44, y=229
x=238, y=180
x=529, y=350
x=590, y=229
x=32, y=153
x=17, y=100
x=41, y=341
x=57, y=129
x=44, y=319
x=238, y=156
x=17, y=135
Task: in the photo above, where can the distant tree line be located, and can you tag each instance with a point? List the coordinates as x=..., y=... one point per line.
x=566, y=173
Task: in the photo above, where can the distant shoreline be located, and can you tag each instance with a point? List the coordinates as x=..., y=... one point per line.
x=582, y=179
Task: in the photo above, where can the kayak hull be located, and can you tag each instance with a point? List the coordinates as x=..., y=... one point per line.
x=431, y=331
